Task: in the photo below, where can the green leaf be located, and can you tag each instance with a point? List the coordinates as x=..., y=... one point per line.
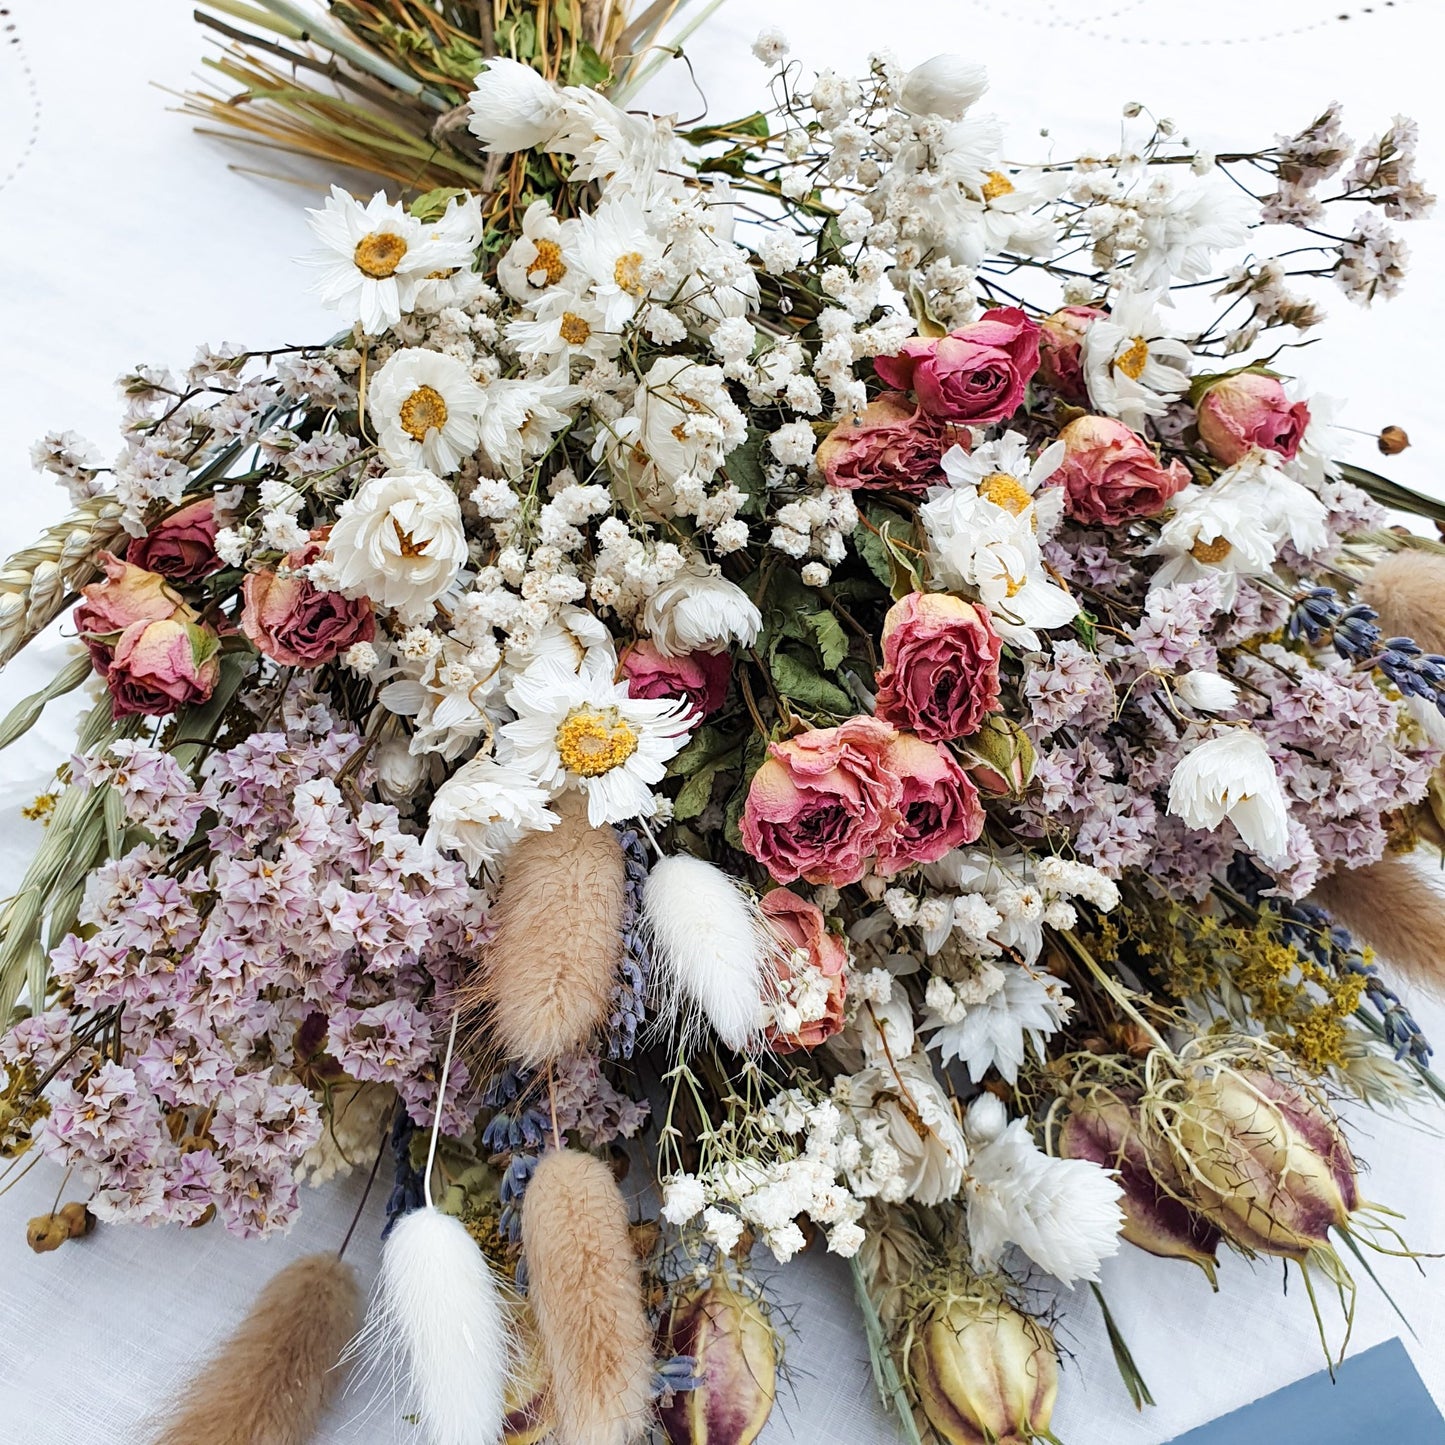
x=696, y=793
x=755, y=751
x=869, y=546
x=799, y=680
x=744, y=468
x=1085, y=624
x=431, y=205
x=832, y=640
x=707, y=743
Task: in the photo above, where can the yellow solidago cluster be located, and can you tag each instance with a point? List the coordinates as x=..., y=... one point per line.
x=1243, y=971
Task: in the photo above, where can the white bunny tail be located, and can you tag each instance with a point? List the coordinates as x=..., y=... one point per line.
x=713, y=952
x=438, y=1312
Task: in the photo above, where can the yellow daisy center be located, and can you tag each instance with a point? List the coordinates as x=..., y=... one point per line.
x=379, y=254
x=996, y=184
x=574, y=330
x=549, y=259
x=592, y=741
x=1211, y=552
x=424, y=410
x=627, y=273
x=1005, y=491
x=1134, y=359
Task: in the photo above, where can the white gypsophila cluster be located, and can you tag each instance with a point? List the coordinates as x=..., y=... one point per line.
x=804, y=1148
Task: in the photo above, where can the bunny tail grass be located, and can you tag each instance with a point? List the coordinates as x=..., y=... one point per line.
x=585, y=1290
x=1407, y=589
x=546, y=980
x=1394, y=907
x=437, y=1312
x=713, y=951
x=270, y=1383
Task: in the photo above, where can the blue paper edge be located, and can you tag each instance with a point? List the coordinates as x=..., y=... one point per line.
x=1377, y=1395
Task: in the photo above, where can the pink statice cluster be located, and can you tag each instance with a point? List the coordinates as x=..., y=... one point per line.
x=273, y=932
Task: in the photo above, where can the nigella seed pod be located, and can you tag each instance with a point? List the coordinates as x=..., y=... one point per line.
x=730, y=1338
x=1105, y=1131
x=1267, y=1162
x=984, y=1373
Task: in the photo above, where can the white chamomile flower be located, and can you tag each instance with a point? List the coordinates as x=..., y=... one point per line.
x=617, y=252
x=460, y=228
x=1212, y=531
x=580, y=729
x=1026, y=1009
x=375, y=257
x=1001, y=473
x=1133, y=368
x=426, y=409
x=560, y=326
x=483, y=808
x=1233, y=776
x=538, y=258
x=399, y=541
x=513, y=108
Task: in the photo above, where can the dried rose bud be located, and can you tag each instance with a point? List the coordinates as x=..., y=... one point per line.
x=1267, y=1161
x=731, y=1340
x=1105, y=1132
x=1393, y=440
x=999, y=757
x=984, y=1373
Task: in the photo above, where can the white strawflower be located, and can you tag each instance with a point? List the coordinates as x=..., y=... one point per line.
x=375, y=258
x=1063, y=1213
x=1207, y=691
x=580, y=729
x=483, y=808
x=1233, y=776
x=701, y=611
x=425, y=408
x=944, y=86
x=513, y=108
x=995, y=1032
x=399, y=541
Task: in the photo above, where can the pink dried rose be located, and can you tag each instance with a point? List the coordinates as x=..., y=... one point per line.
x=893, y=444
x=294, y=623
x=183, y=546
x=1249, y=410
x=821, y=802
x=1061, y=340
x=978, y=373
x=1110, y=475
x=161, y=666
x=939, y=810
x=801, y=927
x=939, y=677
x=700, y=677
x=128, y=595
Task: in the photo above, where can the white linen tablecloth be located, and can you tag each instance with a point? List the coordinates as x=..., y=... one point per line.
x=126, y=239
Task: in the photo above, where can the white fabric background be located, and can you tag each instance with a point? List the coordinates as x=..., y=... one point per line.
x=125, y=239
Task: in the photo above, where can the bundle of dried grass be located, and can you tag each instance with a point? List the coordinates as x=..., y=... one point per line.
x=546, y=979
x=272, y=1380
x=1394, y=907
x=585, y=1289
x=1407, y=589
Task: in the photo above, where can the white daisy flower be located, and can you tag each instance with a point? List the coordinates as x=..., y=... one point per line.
x=483, y=808
x=1001, y=473
x=1025, y=1009
x=619, y=255
x=459, y=227
x=1212, y=530
x=580, y=729
x=539, y=258
x=399, y=541
x=1133, y=368
x=560, y=326
x=1063, y=1213
x=426, y=409
x=375, y=257
x=1233, y=776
